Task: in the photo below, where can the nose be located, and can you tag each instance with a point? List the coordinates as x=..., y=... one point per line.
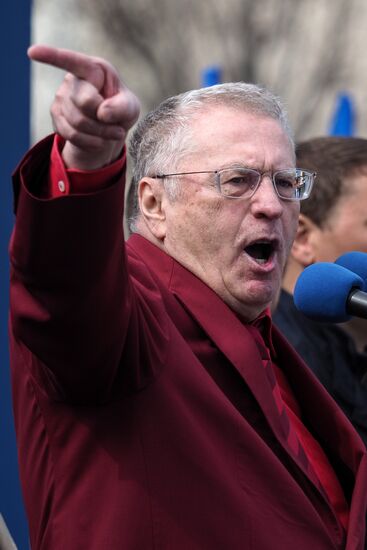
x=265, y=201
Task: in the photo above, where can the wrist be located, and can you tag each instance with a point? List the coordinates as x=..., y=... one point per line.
x=80, y=159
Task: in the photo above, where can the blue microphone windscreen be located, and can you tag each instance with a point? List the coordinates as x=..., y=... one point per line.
x=322, y=290
x=357, y=262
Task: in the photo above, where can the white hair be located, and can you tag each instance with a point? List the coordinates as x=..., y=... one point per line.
x=163, y=137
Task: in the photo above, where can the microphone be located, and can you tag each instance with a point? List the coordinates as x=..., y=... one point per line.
x=357, y=262
x=329, y=292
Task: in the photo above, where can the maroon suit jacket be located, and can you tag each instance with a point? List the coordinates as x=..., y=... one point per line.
x=143, y=415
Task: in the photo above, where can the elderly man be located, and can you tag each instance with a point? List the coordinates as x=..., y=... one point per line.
x=155, y=404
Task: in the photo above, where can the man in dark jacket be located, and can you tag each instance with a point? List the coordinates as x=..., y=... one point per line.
x=332, y=222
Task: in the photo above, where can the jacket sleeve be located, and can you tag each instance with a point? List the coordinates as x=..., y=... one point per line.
x=71, y=296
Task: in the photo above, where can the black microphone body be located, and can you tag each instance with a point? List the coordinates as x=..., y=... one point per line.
x=357, y=304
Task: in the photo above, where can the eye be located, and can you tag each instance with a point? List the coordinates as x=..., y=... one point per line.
x=286, y=181
x=240, y=180
x=237, y=182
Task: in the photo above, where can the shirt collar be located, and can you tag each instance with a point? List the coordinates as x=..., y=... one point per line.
x=264, y=325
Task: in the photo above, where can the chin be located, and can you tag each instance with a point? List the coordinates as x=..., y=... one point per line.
x=260, y=293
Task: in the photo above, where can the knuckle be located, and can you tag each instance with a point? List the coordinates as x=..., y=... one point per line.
x=86, y=101
x=59, y=96
x=69, y=78
x=78, y=120
x=73, y=135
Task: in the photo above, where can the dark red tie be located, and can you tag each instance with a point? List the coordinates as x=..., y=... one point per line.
x=289, y=431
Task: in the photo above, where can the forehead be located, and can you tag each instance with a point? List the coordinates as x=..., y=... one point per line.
x=354, y=190
x=223, y=134
x=355, y=181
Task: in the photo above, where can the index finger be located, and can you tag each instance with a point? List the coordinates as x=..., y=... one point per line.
x=79, y=64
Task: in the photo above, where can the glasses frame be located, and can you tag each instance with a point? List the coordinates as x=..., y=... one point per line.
x=261, y=175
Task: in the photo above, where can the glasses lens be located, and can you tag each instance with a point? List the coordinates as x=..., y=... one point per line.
x=293, y=184
x=238, y=182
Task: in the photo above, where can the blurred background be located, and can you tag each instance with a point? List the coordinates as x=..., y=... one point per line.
x=310, y=52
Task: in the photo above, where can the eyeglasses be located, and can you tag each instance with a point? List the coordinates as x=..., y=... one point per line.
x=293, y=184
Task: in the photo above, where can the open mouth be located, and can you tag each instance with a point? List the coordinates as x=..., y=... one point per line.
x=261, y=251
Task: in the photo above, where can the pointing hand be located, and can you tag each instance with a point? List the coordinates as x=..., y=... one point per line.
x=92, y=110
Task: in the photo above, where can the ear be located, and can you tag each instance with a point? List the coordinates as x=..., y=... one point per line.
x=303, y=251
x=151, y=202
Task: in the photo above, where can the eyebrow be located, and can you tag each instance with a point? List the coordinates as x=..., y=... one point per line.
x=235, y=164
x=241, y=164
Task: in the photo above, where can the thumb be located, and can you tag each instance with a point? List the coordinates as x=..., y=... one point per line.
x=122, y=109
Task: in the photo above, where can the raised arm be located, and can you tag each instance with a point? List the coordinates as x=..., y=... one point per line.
x=70, y=289
x=92, y=110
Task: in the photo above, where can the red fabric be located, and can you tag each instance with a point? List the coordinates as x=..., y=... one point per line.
x=284, y=397
x=78, y=181
x=315, y=454
x=82, y=181
x=142, y=411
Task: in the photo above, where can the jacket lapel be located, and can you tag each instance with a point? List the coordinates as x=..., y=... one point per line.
x=218, y=321
x=224, y=328
x=326, y=420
